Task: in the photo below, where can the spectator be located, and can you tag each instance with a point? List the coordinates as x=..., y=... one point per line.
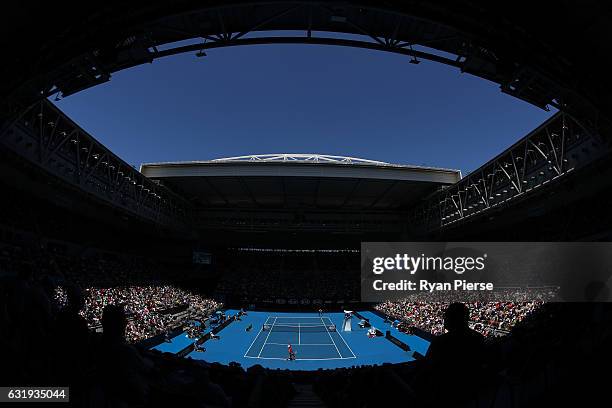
x=454, y=360
x=125, y=373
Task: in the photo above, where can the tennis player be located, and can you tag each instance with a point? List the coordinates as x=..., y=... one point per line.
x=291, y=352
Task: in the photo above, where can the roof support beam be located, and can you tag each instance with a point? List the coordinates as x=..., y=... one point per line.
x=216, y=190
x=317, y=189
x=350, y=195
x=248, y=191
x=383, y=195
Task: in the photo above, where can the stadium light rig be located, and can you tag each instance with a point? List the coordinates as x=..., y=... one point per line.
x=201, y=53
x=414, y=59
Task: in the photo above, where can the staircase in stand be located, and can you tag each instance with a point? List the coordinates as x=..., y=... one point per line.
x=305, y=398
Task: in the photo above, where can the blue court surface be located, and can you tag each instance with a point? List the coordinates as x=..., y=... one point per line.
x=178, y=343
x=312, y=338
x=318, y=342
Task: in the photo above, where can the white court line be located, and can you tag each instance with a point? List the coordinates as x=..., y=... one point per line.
x=295, y=326
x=304, y=344
x=302, y=359
x=256, y=337
x=266, y=340
x=253, y=342
x=342, y=338
x=299, y=333
x=330, y=337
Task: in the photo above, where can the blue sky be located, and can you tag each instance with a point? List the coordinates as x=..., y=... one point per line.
x=302, y=99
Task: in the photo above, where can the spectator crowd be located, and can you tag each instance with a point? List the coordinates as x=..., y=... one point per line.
x=254, y=276
x=491, y=318
x=48, y=342
x=554, y=340
x=148, y=307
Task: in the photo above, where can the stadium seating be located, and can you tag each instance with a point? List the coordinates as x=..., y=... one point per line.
x=46, y=336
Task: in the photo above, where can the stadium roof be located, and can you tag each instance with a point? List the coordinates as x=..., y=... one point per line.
x=80, y=47
x=300, y=180
x=284, y=157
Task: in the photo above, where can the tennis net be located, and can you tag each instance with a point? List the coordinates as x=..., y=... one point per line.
x=308, y=328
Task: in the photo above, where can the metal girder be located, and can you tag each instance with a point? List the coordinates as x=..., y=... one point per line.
x=248, y=191
x=384, y=194
x=300, y=157
x=348, y=197
x=215, y=190
x=548, y=153
x=45, y=136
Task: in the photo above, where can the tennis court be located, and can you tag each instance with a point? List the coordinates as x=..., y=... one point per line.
x=312, y=338
x=253, y=341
